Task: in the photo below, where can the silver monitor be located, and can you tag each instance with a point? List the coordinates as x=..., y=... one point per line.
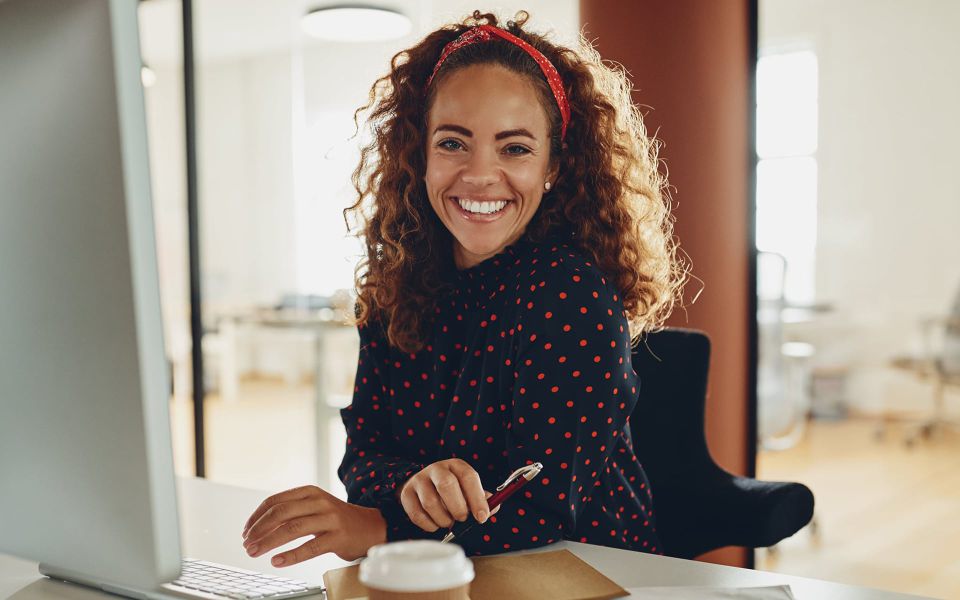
x=86, y=468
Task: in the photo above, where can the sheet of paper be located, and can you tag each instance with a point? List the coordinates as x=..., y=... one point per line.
x=776, y=592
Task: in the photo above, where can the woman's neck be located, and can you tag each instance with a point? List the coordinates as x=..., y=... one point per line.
x=464, y=259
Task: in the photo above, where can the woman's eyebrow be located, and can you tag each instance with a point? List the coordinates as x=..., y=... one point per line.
x=503, y=134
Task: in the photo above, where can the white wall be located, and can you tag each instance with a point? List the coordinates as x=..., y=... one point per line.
x=245, y=151
x=889, y=198
x=245, y=178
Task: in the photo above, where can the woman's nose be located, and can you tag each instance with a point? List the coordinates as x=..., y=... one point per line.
x=481, y=170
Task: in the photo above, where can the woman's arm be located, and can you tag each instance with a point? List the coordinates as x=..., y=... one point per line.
x=373, y=469
x=370, y=472
x=574, y=390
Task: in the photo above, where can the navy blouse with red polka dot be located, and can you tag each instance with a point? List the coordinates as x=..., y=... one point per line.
x=528, y=361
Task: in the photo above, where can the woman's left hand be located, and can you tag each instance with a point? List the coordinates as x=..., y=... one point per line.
x=345, y=529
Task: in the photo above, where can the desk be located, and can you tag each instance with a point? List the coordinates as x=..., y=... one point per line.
x=212, y=516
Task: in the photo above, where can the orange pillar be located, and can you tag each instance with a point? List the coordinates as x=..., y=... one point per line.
x=692, y=65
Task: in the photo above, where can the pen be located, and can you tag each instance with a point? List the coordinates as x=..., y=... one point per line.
x=514, y=482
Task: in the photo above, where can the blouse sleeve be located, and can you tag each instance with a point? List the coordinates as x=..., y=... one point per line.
x=373, y=470
x=574, y=389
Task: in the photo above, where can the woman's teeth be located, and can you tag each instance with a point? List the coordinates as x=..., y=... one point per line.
x=481, y=208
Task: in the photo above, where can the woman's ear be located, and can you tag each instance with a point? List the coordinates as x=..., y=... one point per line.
x=552, y=173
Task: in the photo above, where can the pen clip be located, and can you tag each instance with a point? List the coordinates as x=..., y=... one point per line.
x=528, y=472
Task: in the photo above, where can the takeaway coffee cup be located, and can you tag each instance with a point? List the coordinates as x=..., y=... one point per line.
x=416, y=570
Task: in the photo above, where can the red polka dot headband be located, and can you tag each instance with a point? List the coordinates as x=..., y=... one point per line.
x=485, y=33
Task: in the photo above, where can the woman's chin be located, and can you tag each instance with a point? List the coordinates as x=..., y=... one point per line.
x=476, y=249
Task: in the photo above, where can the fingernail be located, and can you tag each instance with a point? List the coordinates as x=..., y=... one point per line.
x=482, y=516
x=252, y=550
x=277, y=561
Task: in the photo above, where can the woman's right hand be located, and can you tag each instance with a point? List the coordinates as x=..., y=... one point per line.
x=443, y=492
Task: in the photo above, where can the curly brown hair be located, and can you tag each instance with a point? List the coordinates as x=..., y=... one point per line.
x=611, y=201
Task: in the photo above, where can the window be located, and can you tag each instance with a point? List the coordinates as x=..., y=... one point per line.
x=787, y=174
x=326, y=253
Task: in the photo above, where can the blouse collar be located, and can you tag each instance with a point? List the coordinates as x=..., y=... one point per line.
x=475, y=286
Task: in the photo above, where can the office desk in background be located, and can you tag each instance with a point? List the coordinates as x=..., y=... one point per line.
x=212, y=517
x=322, y=324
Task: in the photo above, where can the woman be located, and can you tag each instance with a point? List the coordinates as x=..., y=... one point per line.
x=518, y=242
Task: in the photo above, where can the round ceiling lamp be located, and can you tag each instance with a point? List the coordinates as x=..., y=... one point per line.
x=355, y=23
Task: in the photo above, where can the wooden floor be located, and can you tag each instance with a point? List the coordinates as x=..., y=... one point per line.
x=888, y=516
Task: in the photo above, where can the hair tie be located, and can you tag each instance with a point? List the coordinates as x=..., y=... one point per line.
x=485, y=33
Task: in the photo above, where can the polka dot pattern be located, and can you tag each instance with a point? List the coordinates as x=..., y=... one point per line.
x=528, y=361
x=485, y=33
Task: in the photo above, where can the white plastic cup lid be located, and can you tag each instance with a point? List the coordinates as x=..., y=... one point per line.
x=416, y=566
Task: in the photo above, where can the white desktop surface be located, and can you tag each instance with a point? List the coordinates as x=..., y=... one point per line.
x=212, y=517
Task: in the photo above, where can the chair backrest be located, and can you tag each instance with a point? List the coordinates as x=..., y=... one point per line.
x=667, y=426
x=667, y=431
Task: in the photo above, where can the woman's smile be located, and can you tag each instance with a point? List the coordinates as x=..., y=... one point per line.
x=480, y=211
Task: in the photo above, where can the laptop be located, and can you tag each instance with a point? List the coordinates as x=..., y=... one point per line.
x=87, y=484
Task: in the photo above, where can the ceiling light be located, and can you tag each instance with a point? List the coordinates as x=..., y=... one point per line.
x=354, y=23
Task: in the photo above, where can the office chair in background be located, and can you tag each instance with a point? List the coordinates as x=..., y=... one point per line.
x=783, y=367
x=939, y=363
x=700, y=507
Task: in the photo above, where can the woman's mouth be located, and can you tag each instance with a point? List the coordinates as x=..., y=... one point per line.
x=481, y=211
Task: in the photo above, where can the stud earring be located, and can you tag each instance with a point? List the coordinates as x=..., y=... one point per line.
x=546, y=186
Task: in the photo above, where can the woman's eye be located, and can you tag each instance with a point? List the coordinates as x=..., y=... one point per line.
x=517, y=150
x=450, y=145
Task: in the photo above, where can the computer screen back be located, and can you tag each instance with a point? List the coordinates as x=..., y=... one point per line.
x=86, y=473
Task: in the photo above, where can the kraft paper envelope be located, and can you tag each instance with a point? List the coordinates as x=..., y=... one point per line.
x=558, y=575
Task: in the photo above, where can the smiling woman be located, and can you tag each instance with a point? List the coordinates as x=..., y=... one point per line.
x=518, y=244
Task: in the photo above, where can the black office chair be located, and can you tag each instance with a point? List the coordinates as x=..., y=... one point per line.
x=698, y=506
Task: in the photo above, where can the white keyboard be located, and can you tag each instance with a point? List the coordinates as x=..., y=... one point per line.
x=202, y=579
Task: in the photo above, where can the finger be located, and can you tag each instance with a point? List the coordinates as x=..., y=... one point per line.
x=278, y=514
x=432, y=503
x=289, y=531
x=496, y=508
x=411, y=505
x=448, y=487
x=473, y=491
x=307, y=550
x=292, y=494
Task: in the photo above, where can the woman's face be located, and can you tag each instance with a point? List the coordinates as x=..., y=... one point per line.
x=488, y=156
